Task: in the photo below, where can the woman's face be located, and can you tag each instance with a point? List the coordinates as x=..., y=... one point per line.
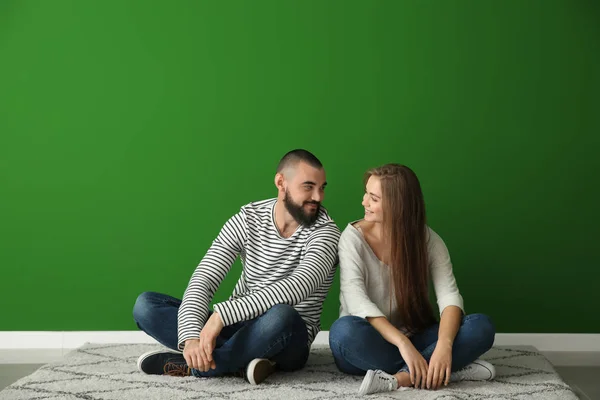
x=372, y=200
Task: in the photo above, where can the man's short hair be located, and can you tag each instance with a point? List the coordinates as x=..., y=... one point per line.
x=295, y=156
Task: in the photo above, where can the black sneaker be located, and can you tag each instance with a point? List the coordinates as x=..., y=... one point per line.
x=163, y=362
x=258, y=370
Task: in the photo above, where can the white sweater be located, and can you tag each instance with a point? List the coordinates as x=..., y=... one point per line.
x=366, y=282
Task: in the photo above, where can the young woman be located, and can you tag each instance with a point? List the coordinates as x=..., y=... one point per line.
x=387, y=330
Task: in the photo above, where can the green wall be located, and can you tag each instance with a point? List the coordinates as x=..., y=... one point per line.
x=131, y=130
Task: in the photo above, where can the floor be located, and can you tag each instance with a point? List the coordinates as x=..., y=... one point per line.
x=584, y=380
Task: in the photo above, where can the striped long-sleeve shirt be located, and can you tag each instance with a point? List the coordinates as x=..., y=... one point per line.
x=297, y=271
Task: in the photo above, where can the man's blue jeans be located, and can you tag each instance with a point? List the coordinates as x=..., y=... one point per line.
x=279, y=335
x=357, y=346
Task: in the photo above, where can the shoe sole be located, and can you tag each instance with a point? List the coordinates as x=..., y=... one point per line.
x=151, y=353
x=366, y=382
x=261, y=369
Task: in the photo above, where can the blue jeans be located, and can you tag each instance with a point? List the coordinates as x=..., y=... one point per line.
x=279, y=334
x=358, y=347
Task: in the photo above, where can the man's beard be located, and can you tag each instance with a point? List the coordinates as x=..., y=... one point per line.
x=297, y=211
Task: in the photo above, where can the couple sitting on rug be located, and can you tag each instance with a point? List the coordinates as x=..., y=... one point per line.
x=289, y=248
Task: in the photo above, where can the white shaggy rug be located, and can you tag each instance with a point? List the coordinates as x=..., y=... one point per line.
x=105, y=372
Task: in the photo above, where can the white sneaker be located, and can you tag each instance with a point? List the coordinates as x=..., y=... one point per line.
x=258, y=370
x=377, y=381
x=478, y=370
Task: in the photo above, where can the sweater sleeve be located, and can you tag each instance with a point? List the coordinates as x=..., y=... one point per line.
x=353, y=293
x=207, y=277
x=444, y=282
x=318, y=262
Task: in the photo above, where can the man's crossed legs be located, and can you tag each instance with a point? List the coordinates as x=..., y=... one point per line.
x=254, y=348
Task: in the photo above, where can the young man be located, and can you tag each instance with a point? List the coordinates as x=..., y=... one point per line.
x=288, y=249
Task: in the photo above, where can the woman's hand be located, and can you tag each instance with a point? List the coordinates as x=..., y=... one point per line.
x=440, y=365
x=417, y=366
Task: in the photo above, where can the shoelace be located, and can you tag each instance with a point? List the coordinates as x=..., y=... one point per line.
x=468, y=371
x=176, y=369
x=383, y=383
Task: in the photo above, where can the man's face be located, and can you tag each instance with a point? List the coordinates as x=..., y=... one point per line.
x=304, y=192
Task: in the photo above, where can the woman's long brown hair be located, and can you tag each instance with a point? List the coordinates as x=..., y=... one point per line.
x=405, y=237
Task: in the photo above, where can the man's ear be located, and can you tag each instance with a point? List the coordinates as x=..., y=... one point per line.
x=279, y=182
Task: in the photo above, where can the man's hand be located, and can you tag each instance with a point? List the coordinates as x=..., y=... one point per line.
x=198, y=352
x=191, y=353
